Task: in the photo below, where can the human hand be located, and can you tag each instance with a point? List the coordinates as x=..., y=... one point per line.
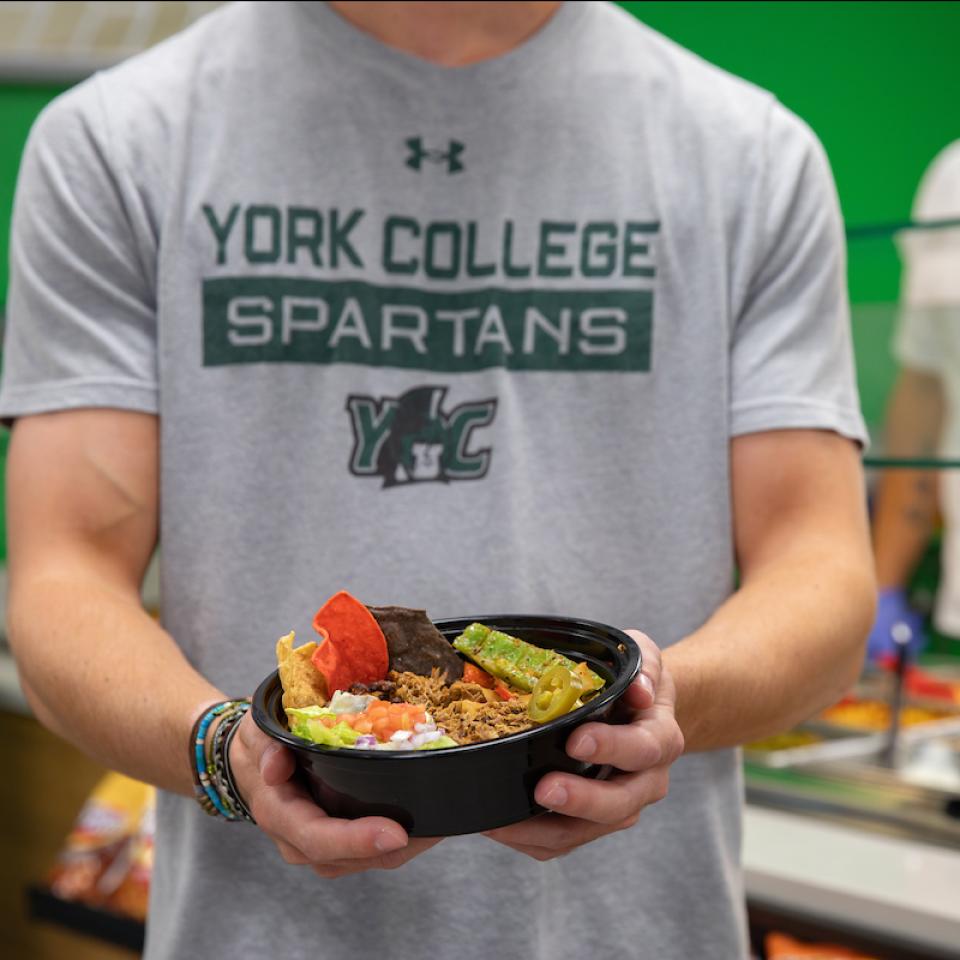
x=893, y=608
x=305, y=835
x=642, y=751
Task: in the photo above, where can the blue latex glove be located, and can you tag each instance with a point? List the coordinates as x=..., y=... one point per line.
x=892, y=608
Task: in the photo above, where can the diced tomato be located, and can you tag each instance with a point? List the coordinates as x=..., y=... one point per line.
x=384, y=719
x=502, y=691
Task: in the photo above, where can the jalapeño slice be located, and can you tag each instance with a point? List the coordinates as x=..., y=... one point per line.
x=554, y=694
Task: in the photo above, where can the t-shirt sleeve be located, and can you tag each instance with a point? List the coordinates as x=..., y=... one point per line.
x=791, y=360
x=81, y=318
x=930, y=282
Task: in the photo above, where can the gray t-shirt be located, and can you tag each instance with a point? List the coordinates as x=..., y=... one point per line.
x=470, y=339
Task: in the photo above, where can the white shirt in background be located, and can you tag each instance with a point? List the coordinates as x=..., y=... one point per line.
x=928, y=339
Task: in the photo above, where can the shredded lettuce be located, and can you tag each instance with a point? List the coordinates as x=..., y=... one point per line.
x=339, y=735
x=438, y=744
x=299, y=719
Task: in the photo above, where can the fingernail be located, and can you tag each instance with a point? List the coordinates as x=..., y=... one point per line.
x=269, y=751
x=556, y=797
x=585, y=748
x=387, y=841
x=647, y=684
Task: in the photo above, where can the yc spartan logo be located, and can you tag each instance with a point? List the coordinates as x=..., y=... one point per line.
x=451, y=156
x=412, y=439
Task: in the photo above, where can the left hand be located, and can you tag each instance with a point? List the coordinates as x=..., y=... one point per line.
x=642, y=750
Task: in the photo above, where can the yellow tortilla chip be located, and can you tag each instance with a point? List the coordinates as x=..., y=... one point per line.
x=303, y=684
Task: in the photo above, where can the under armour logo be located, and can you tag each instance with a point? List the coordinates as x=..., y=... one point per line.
x=419, y=153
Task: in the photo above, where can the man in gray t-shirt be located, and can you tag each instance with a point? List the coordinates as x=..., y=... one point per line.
x=474, y=307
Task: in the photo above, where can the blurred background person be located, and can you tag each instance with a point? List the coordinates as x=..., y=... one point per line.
x=923, y=418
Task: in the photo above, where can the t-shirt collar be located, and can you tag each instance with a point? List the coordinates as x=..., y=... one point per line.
x=365, y=51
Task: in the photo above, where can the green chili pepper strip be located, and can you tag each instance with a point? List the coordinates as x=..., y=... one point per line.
x=516, y=661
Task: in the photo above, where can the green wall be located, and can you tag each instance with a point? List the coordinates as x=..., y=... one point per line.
x=880, y=85
x=18, y=108
x=878, y=82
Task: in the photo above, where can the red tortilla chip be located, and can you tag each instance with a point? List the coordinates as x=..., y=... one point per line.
x=354, y=649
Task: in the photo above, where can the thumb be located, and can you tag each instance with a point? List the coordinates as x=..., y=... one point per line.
x=276, y=764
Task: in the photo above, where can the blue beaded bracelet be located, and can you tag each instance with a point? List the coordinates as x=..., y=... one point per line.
x=204, y=788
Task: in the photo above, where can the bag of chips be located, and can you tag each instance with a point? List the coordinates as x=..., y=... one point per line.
x=108, y=854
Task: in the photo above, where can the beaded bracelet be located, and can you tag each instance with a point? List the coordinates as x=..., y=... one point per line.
x=199, y=793
x=221, y=774
x=215, y=761
x=202, y=777
x=219, y=761
x=211, y=792
x=242, y=808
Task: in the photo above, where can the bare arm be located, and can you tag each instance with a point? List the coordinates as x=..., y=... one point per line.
x=906, y=499
x=790, y=640
x=96, y=669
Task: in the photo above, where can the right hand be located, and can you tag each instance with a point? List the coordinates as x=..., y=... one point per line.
x=304, y=834
x=892, y=608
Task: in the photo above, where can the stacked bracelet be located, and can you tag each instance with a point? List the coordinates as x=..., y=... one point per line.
x=213, y=782
x=231, y=787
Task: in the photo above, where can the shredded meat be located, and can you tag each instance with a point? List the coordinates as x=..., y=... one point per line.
x=466, y=711
x=470, y=722
x=433, y=691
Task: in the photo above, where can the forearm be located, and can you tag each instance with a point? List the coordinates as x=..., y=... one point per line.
x=101, y=673
x=903, y=516
x=906, y=499
x=788, y=643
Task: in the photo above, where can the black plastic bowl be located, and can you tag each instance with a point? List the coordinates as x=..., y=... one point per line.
x=467, y=789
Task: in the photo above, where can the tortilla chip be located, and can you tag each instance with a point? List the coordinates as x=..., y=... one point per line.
x=415, y=645
x=303, y=684
x=353, y=649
